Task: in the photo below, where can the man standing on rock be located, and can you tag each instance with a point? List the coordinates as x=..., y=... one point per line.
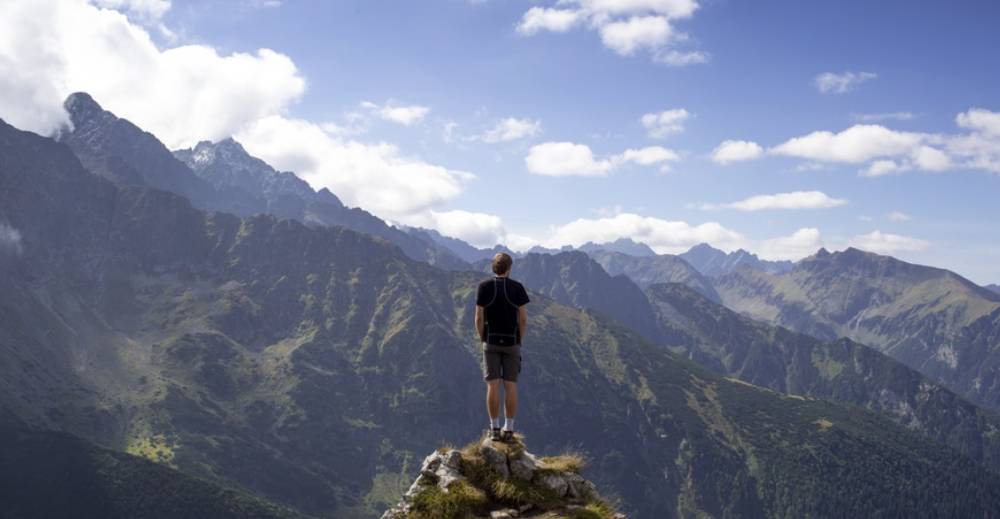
x=501, y=319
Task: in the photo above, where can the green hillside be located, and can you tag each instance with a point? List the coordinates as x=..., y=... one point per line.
x=931, y=319
x=52, y=475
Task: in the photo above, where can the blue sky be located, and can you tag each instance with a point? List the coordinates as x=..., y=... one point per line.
x=403, y=95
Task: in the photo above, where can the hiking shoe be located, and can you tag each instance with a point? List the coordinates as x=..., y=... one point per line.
x=495, y=435
x=508, y=437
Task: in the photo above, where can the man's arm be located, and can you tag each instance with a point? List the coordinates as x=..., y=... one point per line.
x=522, y=321
x=481, y=322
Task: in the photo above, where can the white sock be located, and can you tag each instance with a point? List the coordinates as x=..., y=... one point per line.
x=508, y=424
x=494, y=423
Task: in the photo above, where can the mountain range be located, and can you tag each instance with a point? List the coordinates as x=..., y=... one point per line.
x=312, y=365
x=713, y=262
x=222, y=177
x=689, y=324
x=931, y=319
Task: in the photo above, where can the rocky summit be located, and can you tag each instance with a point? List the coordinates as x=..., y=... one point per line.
x=500, y=481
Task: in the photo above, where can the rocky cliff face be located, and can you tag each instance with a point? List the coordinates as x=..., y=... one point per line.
x=502, y=481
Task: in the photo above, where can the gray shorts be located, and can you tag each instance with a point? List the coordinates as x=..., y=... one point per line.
x=501, y=362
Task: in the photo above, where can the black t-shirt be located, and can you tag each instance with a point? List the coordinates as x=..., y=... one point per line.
x=501, y=297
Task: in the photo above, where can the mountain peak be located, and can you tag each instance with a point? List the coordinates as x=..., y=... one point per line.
x=623, y=245
x=711, y=261
x=703, y=247
x=81, y=107
x=496, y=479
x=81, y=101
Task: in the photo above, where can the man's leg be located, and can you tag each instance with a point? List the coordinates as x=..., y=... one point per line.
x=510, y=404
x=491, y=374
x=493, y=399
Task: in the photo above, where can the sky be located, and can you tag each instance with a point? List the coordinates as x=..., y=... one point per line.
x=775, y=126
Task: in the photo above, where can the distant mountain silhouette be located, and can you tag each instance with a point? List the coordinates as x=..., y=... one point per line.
x=621, y=246
x=661, y=268
x=458, y=247
x=713, y=262
x=993, y=288
x=573, y=278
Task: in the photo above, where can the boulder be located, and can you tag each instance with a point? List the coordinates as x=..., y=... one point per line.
x=493, y=457
x=578, y=488
x=553, y=481
x=523, y=467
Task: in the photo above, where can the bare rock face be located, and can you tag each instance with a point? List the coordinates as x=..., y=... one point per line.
x=441, y=469
x=500, y=481
x=524, y=467
x=496, y=459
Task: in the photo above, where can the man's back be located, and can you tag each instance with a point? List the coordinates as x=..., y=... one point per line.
x=500, y=298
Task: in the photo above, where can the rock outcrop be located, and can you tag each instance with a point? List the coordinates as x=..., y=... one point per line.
x=500, y=480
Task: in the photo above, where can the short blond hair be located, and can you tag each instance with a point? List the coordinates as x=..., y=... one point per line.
x=502, y=263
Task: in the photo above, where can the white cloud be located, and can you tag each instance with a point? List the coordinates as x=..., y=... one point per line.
x=377, y=177
x=979, y=120
x=897, y=216
x=10, y=239
x=799, y=244
x=404, y=115
x=734, y=151
x=520, y=243
x=980, y=148
x=664, y=236
x=625, y=26
x=571, y=159
x=477, y=229
x=183, y=94
x=882, y=167
x=832, y=83
x=883, y=151
x=885, y=243
x=565, y=159
x=885, y=116
x=857, y=144
x=545, y=19
x=511, y=129
x=662, y=124
x=931, y=159
x=679, y=58
x=649, y=156
x=637, y=32
x=793, y=200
